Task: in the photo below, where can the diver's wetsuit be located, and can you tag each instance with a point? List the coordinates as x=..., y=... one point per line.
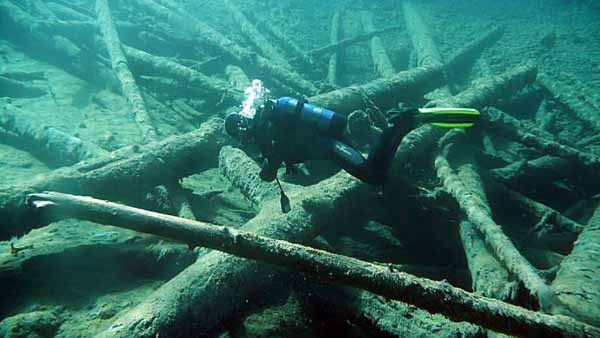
x=294, y=131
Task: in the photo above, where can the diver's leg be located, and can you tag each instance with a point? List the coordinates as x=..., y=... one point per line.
x=350, y=160
x=383, y=151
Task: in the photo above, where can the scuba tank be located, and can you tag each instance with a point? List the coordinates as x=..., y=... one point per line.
x=291, y=111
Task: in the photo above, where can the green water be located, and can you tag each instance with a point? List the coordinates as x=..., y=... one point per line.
x=124, y=101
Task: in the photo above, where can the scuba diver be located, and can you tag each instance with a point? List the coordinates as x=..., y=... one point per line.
x=290, y=130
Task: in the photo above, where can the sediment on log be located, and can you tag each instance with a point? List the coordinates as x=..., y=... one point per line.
x=216, y=40
x=34, y=36
x=425, y=49
x=531, y=137
x=577, y=280
x=254, y=36
x=466, y=188
x=457, y=63
x=121, y=69
x=383, y=317
x=488, y=277
x=115, y=174
x=13, y=88
x=436, y=297
x=381, y=60
x=530, y=173
x=576, y=101
x=64, y=238
x=165, y=66
x=481, y=94
x=286, y=43
x=384, y=93
x=334, y=36
x=52, y=146
x=237, y=78
x=187, y=303
x=243, y=174
x=340, y=45
x=406, y=85
x=542, y=212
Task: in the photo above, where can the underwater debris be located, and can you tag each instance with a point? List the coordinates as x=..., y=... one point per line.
x=437, y=297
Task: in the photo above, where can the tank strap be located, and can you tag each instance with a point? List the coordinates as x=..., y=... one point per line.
x=299, y=106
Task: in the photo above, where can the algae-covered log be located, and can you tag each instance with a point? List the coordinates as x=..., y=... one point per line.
x=38, y=40
x=334, y=47
x=567, y=89
x=183, y=74
x=14, y=88
x=237, y=77
x=49, y=144
x=530, y=137
x=335, y=35
x=116, y=174
x=526, y=174
x=67, y=238
x=381, y=60
x=215, y=287
x=255, y=36
x=385, y=93
x=213, y=39
x=466, y=188
x=488, y=277
x=121, y=68
x=426, y=51
x=577, y=280
x=481, y=94
x=541, y=211
x=243, y=174
x=383, y=317
x=436, y=297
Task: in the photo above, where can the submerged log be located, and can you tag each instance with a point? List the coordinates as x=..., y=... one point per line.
x=183, y=74
x=560, y=223
x=38, y=39
x=115, y=174
x=287, y=44
x=425, y=49
x=63, y=238
x=568, y=90
x=244, y=175
x=578, y=277
x=483, y=93
x=334, y=36
x=255, y=36
x=437, y=297
x=466, y=188
x=381, y=60
x=527, y=174
x=13, y=88
x=383, y=317
x=531, y=137
x=384, y=93
x=338, y=46
x=210, y=37
x=237, y=78
x=54, y=147
x=215, y=287
x=121, y=69
x=488, y=277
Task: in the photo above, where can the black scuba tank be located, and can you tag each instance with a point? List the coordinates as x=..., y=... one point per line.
x=292, y=110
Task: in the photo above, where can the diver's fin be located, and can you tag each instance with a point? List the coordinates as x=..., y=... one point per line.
x=448, y=117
